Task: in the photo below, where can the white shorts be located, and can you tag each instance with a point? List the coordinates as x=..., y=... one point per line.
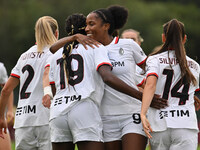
x=116, y=126
x=33, y=138
x=175, y=139
x=81, y=123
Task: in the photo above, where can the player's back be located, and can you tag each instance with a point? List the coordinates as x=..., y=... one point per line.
x=29, y=69
x=169, y=84
x=180, y=112
x=84, y=82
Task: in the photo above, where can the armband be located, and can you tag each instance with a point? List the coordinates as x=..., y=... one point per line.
x=47, y=90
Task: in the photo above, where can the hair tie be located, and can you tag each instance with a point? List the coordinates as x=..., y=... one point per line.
x=72, y=30
x=82, y=28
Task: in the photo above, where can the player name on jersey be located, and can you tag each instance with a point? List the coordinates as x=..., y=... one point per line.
x=174, y=61
x=32, y=55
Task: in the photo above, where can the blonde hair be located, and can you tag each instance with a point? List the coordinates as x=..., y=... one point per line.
x=45, y=29
x=140, y=39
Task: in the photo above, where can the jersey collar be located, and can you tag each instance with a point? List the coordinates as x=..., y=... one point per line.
x=115, y=40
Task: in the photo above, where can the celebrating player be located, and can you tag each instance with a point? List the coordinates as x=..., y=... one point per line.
x=32, y=118
x=100, y=26
x=174, y=76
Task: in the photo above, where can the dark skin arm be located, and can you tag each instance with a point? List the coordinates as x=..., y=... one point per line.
x=83, y=39
x=53, y=89
x=105, y=71
x=114, y=82
x=196, y=103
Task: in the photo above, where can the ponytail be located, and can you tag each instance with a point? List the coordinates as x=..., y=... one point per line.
x=67, y=50
x=45, y=29
x=174, y=33
x=75, y=23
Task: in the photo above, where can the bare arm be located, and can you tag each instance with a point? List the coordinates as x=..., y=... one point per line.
x=4, y=100
x=46, y=99
x=45, y=79
x=10, y=114
x=148, y=94
x=196, y=103
x=119, y=85
x=83, y=39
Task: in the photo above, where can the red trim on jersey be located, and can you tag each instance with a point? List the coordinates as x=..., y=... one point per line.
x=116, y=40
x=140, y=84
x=152, y=74
x=170, y=48
x=142, y=62
x=51, y=82
x=197, y=90
x=48, y=65
x=104, y=63
x=14, y=75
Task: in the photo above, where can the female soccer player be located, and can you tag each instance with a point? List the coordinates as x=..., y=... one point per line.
x=174, y=76
x=122, y=128
x=31, y=118
x=74, y=112
x=123, y=53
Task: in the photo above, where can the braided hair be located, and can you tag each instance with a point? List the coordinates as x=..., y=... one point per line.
x=74, y=24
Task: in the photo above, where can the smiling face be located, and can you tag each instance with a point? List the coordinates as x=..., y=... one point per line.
x=95, y=28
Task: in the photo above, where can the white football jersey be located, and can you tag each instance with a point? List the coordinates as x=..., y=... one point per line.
x=124, y=55
x=181, y=111
x=3, y=74
x=139, y=76
x=29, y=70
x=85, y=81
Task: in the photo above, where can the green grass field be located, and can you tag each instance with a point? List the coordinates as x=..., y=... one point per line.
x=13, y=147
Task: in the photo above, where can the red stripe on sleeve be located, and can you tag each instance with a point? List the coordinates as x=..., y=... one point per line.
x=142, y=62
x=48, y=65
x=104, y=63
x=14, y=75
x=197, y=90
x=140, y=84
x=51, y=82
x=152, y=74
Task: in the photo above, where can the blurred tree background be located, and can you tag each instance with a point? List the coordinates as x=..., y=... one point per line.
x=18, y=17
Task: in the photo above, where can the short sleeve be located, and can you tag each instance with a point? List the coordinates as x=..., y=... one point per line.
x=16, y=70
x=48, y=61
x=139, y=76
x=101, y=57
x=152, y=66
x=138, y=53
